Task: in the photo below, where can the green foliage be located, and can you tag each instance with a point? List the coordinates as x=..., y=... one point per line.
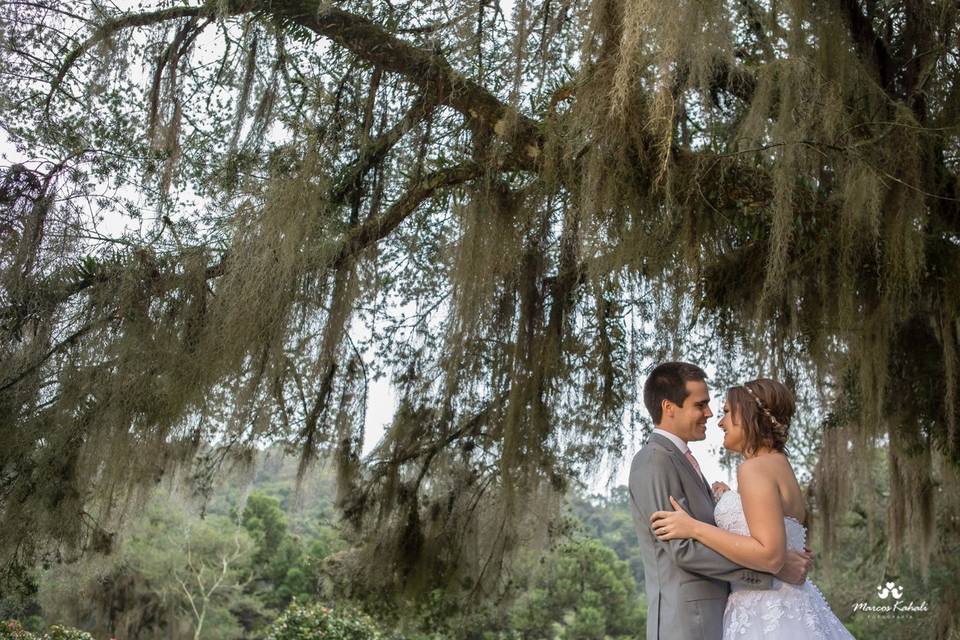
x=609, y=521
x=170, y=556
x=58, y=632
x=18, y=591
x=267, y=524
x=858, y=560
x=284, y=566
x=582, y=591
x=172, y=571
x=13, y=630
x=316, y=622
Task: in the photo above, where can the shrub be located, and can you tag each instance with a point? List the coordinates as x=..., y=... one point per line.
x=58, y=632
x=316, y=622
x=13, y=630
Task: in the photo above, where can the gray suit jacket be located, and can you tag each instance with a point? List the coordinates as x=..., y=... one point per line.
x=686, y=583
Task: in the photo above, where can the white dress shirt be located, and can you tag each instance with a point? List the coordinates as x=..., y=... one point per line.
x=683, y=449
x=675, y=439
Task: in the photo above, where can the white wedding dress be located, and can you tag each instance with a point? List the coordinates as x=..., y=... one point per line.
x=785, y=612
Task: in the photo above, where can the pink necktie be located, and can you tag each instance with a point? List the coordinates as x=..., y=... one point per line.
x=693, y=462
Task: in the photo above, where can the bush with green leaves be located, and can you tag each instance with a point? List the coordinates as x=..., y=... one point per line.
x=581, y=591
x=284, y=564
x=59, y=632
x=13, y=630
x=316, y=622
x=607, y=518
x=171, y=570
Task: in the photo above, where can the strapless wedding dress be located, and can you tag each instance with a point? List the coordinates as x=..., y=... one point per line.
x=784, y=612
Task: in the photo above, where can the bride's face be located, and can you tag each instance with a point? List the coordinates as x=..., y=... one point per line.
x=732, y=428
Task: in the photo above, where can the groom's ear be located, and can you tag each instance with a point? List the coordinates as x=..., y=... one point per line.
x=667, y=408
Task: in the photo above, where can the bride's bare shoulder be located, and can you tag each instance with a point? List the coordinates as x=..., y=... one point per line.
x=755, y=469
x=780, y=463
x=772, y=465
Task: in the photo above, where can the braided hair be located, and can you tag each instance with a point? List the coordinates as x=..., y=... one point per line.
x=765, y=408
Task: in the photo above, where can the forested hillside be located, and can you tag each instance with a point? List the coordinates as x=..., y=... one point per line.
x=246, y=553
x=229, y=564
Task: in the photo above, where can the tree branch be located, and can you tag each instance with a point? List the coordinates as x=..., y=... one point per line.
x=370, y=232
x=372, y=43
x=373, y=153
x=63, y=344
x=869, y=44
x=111, y=27
x=427, y=69
x=378, y=228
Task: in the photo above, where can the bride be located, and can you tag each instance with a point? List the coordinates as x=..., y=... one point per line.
x=758, y=525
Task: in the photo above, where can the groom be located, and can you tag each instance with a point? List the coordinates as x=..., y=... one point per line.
x=686, y=583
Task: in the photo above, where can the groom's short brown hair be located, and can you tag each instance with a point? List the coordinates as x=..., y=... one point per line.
x=668, y=381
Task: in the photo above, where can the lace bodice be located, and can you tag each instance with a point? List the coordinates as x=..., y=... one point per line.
x=783, y=612
x=729, y=516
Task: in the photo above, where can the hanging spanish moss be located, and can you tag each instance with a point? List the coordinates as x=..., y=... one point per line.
x=508, y=215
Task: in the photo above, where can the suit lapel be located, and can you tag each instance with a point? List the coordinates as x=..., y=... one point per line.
x=681, y=462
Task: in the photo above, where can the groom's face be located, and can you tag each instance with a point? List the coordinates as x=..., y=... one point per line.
x=690, y=421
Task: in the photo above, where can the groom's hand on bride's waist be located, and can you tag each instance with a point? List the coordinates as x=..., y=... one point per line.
x=796, y=566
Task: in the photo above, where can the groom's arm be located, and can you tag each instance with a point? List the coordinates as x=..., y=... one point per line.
x=651, y=492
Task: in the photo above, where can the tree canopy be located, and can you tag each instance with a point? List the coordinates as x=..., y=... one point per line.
x=226, y=218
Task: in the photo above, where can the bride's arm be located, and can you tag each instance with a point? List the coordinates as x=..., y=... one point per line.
x=763, y=550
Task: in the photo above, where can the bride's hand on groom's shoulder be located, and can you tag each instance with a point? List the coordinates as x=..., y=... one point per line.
x=671, y=525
